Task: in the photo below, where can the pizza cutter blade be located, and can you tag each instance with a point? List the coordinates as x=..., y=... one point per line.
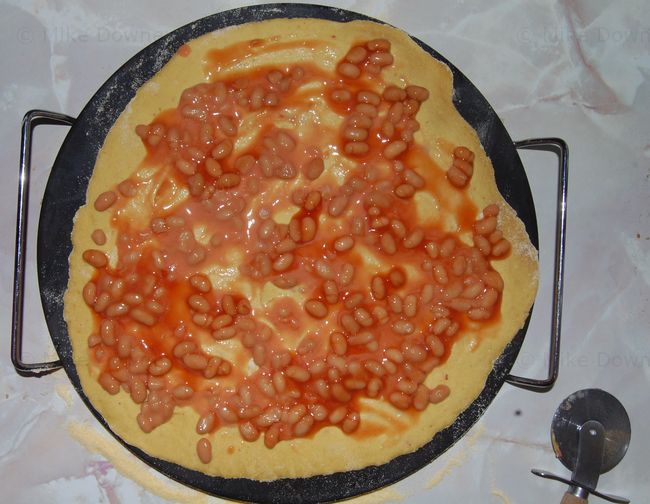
x=590, y=433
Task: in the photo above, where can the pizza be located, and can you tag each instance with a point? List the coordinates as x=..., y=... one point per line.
x=293, y=259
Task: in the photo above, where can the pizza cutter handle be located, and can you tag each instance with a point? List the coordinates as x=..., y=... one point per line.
x=570, y=498
x=32, y=119
x=559, y=147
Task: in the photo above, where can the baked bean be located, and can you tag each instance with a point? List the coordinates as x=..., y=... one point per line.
x=459, y=304
x=158, y=225
x=397, y=277
x=344, y=243
x=249, y=432
x=479, y=314
x=89, y=293
x=307, y=229
x=283, y=262
x=413, y=178
x=472, y=290
x=359, y=120
x=213, y=167
x=387, y=129
x=368, y=97
x=186, y=167
x=394, y=149
x=142, y=316
x=404, y=191
x=349, y=324
x=222, y=149
x=198, y=303
x=452, y=329
x=116, y=310
x=312, y=200
x=464, y=166
x=439, y=311
x=204, y=450
x=356, y=148
x=99, y=237
x=485, y=226
x=195, y=361
x=298, y=374
x=436, y=347
x=495, y=237
x=228, y=181
x=417, y=93
x=364, y=318
x=459, y=265
x=200, y=282
x=395, y=112
x=183, y=392
x=303, y=426
x=314, y=168
x=394, y=94
x=224, y=333
x=348, y=70
x=427, y=293
x=184, y=347
x=107, y=332
x=439, y=394
x=109, y=383
x=378, y=288
x=407, y=386
x=206, y=423
x=403, y=327
x=464, y=153
x=337, y=205
x=493, y=279
x=337, y=415
x=447, y=247
x=316, y=308
x=410, y=305
x=340, y=394
x=388, y=244
x=367, y=110
x=432, y=249
x=341, y=95
x=227, y=125
x=105, y=200
x=381, y=59
x=356, y=55
x=160, y=366
x=456, y=177
x=95, y=258
x=347, y=274
x=413, y=239
x=400, y=400
x=355, y=134
x=488, y=299
x=501, y=248
x=379, y=45
x=127, y=188
x=482, y=244
x=244, y=308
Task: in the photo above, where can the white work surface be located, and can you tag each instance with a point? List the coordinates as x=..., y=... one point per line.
x=578, y=70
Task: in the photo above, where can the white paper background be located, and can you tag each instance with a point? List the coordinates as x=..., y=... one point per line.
x=579, y=70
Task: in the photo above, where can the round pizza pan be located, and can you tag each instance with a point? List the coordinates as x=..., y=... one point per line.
x=65, y=193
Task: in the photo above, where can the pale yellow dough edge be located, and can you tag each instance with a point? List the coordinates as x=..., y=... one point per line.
x=329, y=451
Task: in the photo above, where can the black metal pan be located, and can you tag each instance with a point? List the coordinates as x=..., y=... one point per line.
x=65, y=193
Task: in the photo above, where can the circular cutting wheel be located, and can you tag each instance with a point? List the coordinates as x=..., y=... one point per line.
x=581, y=407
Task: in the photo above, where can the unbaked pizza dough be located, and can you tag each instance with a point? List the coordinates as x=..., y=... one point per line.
x=384, y=431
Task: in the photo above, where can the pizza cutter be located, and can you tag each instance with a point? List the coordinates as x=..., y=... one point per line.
x=590, y=434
